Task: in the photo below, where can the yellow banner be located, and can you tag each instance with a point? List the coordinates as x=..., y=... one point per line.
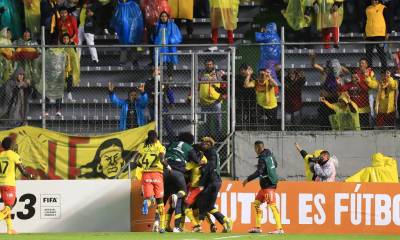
x=53, y=155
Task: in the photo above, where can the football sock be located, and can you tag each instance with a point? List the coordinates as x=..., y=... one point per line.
x=160, y=210
x=189, y=214
x=257, y=205
x=220, y=218
x=5, y=212
x=9, y=223
x=276, y=214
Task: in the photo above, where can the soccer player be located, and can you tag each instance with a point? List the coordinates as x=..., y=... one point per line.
x=266, y=172
x=152, y=162
x=178, y=154
x=9, y=160
x=210, y=184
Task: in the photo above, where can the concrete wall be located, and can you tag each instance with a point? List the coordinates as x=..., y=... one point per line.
x=353, y=149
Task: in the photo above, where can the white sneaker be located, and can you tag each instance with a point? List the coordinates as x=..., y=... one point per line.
x=174, y=200
x=212, y=49
x=58, y=114
x=177, y=230
x=106, y=32
x=156, y=226
x=277, y=231
x=69, y=96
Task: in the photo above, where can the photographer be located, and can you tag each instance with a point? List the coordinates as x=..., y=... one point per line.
x=319, y=164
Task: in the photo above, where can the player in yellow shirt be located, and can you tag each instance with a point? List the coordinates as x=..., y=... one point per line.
x=151, y=160
x=9, y=161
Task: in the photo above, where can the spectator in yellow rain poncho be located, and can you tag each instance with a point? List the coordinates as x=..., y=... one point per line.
x=382, y=169
x=309, y=171
x=223, y=13
x=32, y=17
x=298, y=13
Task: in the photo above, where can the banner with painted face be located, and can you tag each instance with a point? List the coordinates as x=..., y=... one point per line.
x=52, y=155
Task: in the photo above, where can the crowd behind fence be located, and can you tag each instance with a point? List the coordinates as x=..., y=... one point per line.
x=353, y=87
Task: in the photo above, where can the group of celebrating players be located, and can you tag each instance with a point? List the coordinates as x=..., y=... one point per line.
x=187, y=175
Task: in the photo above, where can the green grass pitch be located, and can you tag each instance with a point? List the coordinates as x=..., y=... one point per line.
x=186, y=236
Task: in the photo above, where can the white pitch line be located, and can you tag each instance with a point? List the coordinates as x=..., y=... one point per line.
x=228, y=237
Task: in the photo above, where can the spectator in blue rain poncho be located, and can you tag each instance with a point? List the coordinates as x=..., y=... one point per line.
x=167, y=32
x=128, y=24
x=271, y=53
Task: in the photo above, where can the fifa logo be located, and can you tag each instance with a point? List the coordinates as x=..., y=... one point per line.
x=49, y=200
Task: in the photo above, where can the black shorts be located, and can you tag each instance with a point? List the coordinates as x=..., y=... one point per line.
x=174, y=182
x=207, y=199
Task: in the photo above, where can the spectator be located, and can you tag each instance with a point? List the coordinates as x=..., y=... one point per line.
x=132, y=108
x=331, y=74
x=223, y=13
x=6, y=55
x=358, y=92
x=73, y=7
x=166, y=32
x=49, y=18
x=87, y=30
x=106, y=10
x=11, y=16
x=267, y=104
x=152, y=10
x=385, y=102
x=201, y=9
x=329, y=18
x=294, y=83
x=362, y=71
x=346, y=115
x=396, y=57
x=28, y=58
x=32, y=17
x=128, y=23
x=298, y=15
x=377, y=29
x=67, y=25
x=245, y=98
x=72, y=66
x=183, y=9
x=14, y=96
x=309, y=160
x=55, y=79
x=211, y=97
x=168, y=102
x=320, y=164
x=270, y=53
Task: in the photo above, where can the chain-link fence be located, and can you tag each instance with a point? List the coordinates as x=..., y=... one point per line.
x=87, y=95
x=351, y=87
x=346, y=88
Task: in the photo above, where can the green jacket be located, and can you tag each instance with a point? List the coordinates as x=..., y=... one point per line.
x=266, y=170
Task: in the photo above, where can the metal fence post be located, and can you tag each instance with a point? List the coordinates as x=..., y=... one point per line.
x=194, y=97
x=233, y=97
x=156, y=82
x=283, y=78
x=192, y=93
x=229, y=103
x=43, y=78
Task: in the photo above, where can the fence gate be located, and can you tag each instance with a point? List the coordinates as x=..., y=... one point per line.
x=195, y=95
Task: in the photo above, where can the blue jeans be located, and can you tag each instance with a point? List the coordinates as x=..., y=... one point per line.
x=213, y=113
